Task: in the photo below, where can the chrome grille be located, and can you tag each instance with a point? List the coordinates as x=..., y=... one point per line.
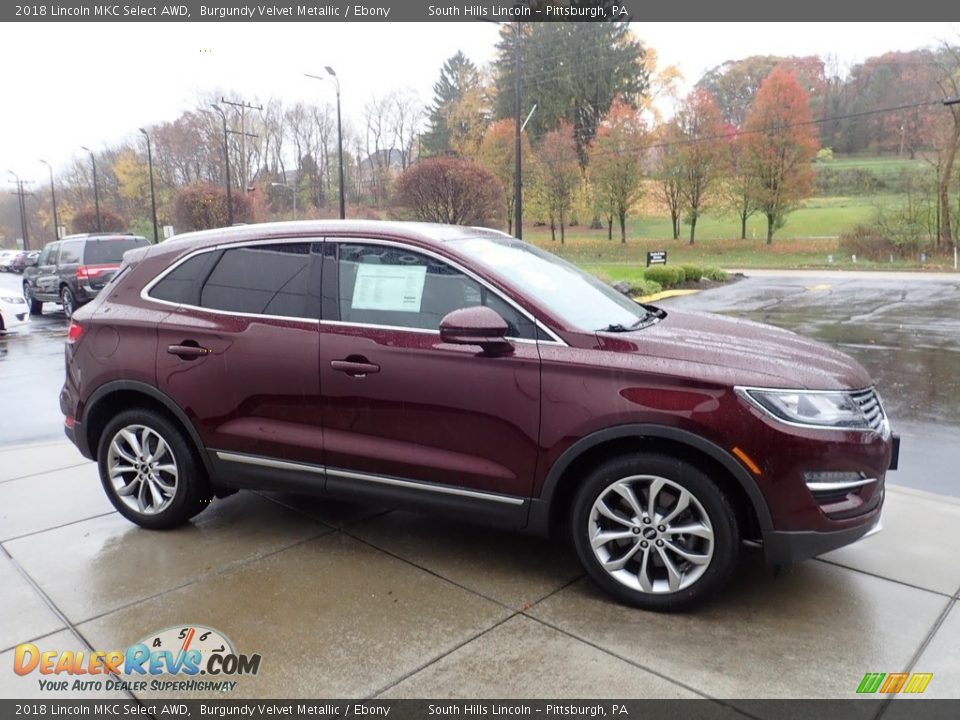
x=869, y=403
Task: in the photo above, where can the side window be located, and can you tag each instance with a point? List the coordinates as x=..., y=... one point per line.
x=263, y=279
x=388, y=285
x=70, y=253
x=49, y=254
x=182, y=284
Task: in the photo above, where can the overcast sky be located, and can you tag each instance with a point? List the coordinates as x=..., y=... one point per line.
x=66, y=85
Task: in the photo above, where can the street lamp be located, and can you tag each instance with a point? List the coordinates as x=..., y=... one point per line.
x=293, y=192
x=336, y=80
x=226, y=161
x=153, y=196
x=22, y=207
x=53, y=197
x=96, y=188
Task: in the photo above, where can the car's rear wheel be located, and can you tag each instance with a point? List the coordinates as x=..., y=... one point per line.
x=655, y=532
x=68, y=302
x=149, y=471
x=36, y=307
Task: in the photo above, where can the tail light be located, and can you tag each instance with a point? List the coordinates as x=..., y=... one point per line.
x=85, y=272
x=74, y=332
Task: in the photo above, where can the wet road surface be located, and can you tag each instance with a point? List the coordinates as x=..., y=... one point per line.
x=904, y=329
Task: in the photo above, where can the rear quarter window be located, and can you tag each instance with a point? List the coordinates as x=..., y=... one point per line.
x=182, y=284
x=110, y=251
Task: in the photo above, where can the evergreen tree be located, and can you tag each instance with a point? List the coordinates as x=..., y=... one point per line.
x=457, y=77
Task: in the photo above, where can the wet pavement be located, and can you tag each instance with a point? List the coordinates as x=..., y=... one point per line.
x=904, y=328
x=344, y=600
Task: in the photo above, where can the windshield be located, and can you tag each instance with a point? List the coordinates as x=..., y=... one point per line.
x=578, y=298
x=105, y=252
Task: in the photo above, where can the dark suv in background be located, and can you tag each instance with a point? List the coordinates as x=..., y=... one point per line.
x=461, y=371
x=72, y=270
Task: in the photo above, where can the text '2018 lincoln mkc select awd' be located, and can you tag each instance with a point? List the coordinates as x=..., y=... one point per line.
x=457, y=370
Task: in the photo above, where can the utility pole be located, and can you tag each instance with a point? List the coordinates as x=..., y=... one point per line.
x=243, y=107
x=226, y=159
x=53, y=197
x=96, y=187
x=153, y=194
x=517, y=176
x=22, y=207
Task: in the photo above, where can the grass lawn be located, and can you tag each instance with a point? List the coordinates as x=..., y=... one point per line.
x=806, y=241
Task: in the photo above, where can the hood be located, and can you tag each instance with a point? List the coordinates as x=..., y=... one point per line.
x=782, y=357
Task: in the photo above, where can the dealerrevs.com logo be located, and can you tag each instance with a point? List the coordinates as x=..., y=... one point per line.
x=178, y=659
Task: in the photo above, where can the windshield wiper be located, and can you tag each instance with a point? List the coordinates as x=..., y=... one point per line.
x=620, y=327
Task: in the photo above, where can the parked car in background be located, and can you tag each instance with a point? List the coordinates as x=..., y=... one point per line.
x=72, y=270
x=24, y=259
x=13, y=310
x=7, y=257
x=460, y=371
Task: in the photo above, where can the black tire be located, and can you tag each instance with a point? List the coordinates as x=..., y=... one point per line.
x=709, y=512
x=192, y=490
x=36, y=306
x=67, y=301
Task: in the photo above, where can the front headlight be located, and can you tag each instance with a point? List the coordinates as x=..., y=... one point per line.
x=805, y=407
x=12, y=300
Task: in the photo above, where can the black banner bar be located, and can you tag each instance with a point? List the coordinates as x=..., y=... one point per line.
x=854, y=709
x=476, y=11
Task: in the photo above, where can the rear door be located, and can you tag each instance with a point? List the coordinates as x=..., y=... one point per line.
x=407, y=417
x=239, y=354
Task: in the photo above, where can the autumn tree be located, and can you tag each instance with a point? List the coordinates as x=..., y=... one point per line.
x=616, y=169
x=497, y=154
x=700, y=153
x=947, y=141
x=668, y=171
x=559, y=175
x=451, y=190
x=781, y=144
x=201, y=206
x=85, y=221
x=457, y=76
x=739, y=192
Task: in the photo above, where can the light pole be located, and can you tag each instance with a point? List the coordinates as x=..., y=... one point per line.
x=293, y=191
x=226, y=161
x=22, y=207
x=96, y=187
x=153, y=196
x=336, y=80
x=53, y=198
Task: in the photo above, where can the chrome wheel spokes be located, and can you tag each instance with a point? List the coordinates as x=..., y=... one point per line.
x=142, y=469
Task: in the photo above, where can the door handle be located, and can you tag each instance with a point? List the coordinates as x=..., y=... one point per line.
x=355, y=368
x=188, y=352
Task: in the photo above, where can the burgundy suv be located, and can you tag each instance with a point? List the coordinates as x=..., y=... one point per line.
x=458, y=370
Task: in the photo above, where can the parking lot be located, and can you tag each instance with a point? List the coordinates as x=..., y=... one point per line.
x=350, y=601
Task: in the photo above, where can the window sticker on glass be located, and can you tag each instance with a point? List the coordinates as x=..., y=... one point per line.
x=389, y=287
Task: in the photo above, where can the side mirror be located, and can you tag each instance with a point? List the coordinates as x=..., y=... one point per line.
x=30, y=261
x=476, y=326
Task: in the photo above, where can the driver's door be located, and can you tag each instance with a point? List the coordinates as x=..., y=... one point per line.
x=406, y=412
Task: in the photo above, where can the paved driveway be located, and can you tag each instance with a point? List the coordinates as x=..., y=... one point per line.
x=351, y=601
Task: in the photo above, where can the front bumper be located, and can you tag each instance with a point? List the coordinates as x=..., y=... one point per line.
x=786, y=548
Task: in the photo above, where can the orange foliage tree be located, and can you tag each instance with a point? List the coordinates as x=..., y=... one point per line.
x=701, y=152
x=497, y=155
x=781, y=142
x=616, y=163
x=559, y=166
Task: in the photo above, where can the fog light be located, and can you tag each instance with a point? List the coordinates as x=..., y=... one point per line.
x=835, y=480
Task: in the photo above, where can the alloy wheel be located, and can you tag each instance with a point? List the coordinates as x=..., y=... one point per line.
x=651, y=534
x=142, y=469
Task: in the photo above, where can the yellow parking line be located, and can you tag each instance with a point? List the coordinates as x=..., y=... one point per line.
x=665, y=294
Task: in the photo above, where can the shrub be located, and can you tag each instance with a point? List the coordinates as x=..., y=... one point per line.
x=665, y=276
x=716, y=274
x=85, y=220
x=681, y=274
x=451, y=190
x=645, y=287
x=692, y=272
x=202, y=206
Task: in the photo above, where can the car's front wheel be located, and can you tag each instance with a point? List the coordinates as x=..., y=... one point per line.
x=655, y=532
x=149, y=472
